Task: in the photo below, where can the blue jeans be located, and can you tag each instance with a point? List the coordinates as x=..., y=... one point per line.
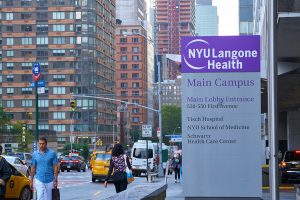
x=2, y=192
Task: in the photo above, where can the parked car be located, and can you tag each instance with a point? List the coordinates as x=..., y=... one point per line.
x=18, y=164
x=290, y=165
x=18, y=186
x=25, y=157
x=72, y=163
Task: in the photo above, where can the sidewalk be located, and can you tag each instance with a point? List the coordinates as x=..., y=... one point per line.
x=175, y=191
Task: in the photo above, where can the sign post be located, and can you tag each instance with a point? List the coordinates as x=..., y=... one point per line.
x=36, y=74
x=221, y=117
x=147, y=132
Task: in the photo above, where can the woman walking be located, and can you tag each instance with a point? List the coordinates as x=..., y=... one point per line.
x=117, y=163
x=176, y=166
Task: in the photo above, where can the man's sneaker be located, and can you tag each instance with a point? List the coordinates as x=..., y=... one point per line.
x=175, y=181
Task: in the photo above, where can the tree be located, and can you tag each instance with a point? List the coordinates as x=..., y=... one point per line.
x=24, y=136
x=171, y=119
x=4, y=119
x=81, y=148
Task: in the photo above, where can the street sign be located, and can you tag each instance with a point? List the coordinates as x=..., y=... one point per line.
x=41, y=83
x=176, y=138
x=36, y=71
x=146, y=130
x=158, y=132
x=72, y=139
x=41, y=90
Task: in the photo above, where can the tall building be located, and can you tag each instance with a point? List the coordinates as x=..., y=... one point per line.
x=246, y=17
x=134, y=63
x=173, y=19
x=206, y=18
x=74, y=43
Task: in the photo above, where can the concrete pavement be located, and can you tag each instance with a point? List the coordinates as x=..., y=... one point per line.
x=175, y=191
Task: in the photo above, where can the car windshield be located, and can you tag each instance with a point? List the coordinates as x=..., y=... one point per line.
x=292, y=156
x=19, y=155
x=9, y=159
x=101, y=156
x=141, y=153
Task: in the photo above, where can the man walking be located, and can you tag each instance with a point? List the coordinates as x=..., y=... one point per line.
x=5, y=173
x=44, y=171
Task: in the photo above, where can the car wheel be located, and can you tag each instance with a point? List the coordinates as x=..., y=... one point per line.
x=25, y=194
x=78, y=169
x=62, y=170
x=68, y=170
x=93, y=180
x=83, y=170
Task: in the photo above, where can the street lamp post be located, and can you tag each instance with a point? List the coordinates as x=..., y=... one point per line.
x=71, y=131
x=174, y=132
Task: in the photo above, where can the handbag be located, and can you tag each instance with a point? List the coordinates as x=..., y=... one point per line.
x=129, y=174
x=55, y=194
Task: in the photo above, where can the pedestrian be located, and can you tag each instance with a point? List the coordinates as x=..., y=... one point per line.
x=44, y=171
x=176, y=165
x=5, y=173
x=118, y=165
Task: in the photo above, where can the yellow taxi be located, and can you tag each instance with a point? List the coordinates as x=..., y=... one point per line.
x=100, y=161
x=18, y=186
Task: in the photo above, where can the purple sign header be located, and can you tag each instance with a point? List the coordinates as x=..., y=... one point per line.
x=220, y=54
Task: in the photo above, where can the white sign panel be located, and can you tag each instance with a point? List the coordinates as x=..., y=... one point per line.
x=147, y=130
x=221, y=117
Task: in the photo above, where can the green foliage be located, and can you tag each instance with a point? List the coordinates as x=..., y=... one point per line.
x=4, y=118
x=81, y=148
x=24, y=136
x=135, y=134
x=171, y=119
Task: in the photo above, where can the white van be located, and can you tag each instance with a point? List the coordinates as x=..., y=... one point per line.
x=139, y=156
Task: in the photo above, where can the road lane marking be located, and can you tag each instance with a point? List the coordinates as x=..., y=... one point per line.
x=97, y=193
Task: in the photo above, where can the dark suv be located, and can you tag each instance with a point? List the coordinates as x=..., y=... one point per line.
x=290, y=165
x=72, y=163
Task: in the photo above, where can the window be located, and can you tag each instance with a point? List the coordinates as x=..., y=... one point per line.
x=135, y=93
x=43, y=115
x=57, y=65
x=59, y=128
x=124, y=85
x=26, y=28
x=135, y=58
x=26, y=15
x=43, y=127
x=135, y=85
x=59, y=77
x=26, y=53
x=135, y=31
x=124, y=93
x=124, y=58
x=9, y=28
x=10, y=65
x=58, y=2
x=123, y=75
x=135, y=49
x=9, y=90
x=135, y=66
x=26, y=77
x=58, y=40
x=10, y=103
x=42, y=15
x=25, y=2
x=26, y=41
x=26, y=103
x=42, y=28
x=42, y=40
x=9, y=41
x=59, y=102
x=26, y=65
x=9, y=16
x=135, y=101
x=59, y=115
x=123, y=40
x=26, y=90
x=43, y=103
x=123, y=66
x=9, y=53
x=135, y=110
x=135, y=39
x=135, y=75
x=59, y=52
x=59, y=90
x=58, y=15
x=42, y=53
x=59, y=27
x=123, y=31
x=136, y=119
x=123, y=49
x=9, y=2
x=10, y=78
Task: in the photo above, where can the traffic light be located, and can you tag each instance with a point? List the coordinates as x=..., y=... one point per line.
x=73, y=104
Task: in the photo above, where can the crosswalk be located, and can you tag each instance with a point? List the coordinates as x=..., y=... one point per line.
x=73, y=179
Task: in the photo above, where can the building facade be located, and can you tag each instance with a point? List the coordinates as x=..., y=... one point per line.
x=73, y=41
x=246, y=17
x=173, y=19
x=206, y=19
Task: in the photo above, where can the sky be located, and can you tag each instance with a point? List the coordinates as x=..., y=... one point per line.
x=228, y=16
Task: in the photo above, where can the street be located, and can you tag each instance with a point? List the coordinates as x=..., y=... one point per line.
x=79, y=185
